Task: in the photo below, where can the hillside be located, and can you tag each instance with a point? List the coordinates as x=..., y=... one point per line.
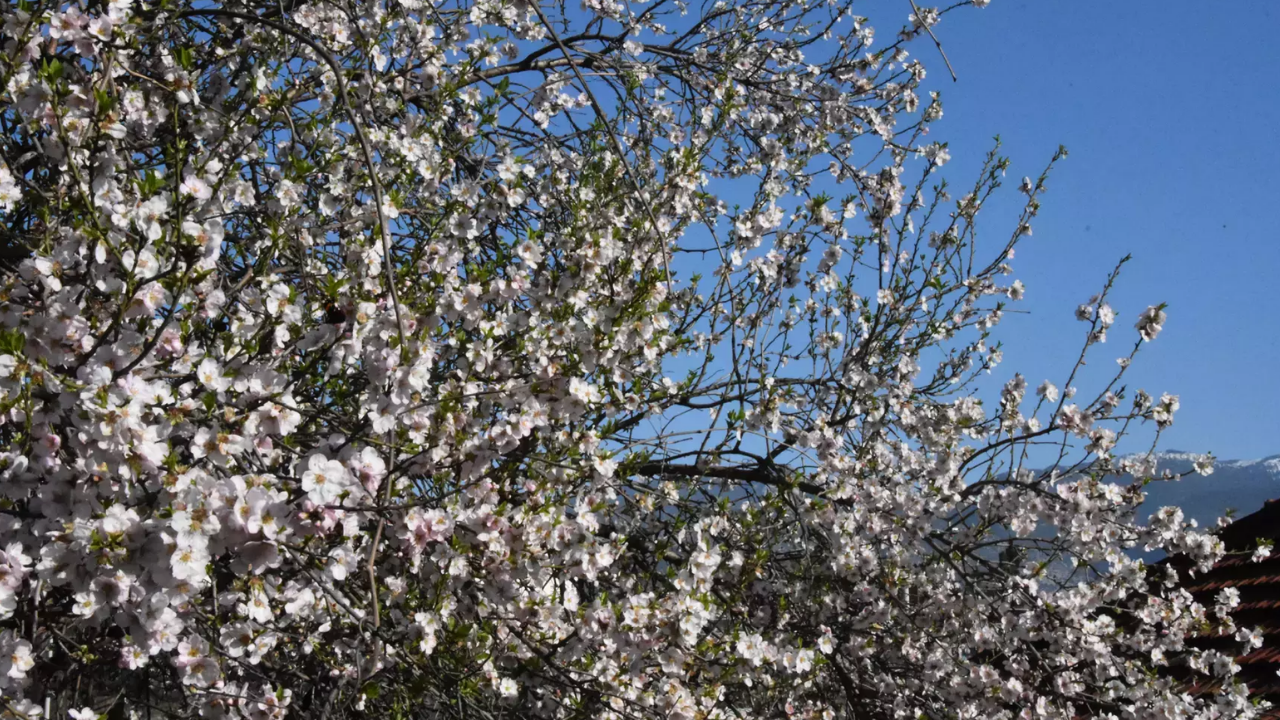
x=1242, y=486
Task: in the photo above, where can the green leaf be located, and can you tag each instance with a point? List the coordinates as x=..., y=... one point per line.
x=12, y=342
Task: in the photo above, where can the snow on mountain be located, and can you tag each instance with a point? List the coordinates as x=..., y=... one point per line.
x=1239, y=486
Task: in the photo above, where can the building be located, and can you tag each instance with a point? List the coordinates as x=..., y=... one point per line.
x=1258, y=583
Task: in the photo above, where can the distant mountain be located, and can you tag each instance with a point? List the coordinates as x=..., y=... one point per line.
x=1242, y=486
x=1239, y=486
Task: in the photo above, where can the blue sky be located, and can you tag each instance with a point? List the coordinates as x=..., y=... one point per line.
x=1170, y=111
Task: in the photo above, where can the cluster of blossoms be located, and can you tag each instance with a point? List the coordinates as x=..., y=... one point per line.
x=399, y=359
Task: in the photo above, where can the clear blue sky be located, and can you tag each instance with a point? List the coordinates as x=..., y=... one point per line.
x=1171, y=113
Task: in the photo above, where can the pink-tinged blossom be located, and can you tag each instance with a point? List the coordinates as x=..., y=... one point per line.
x=324, y=479
x=196, y=187
x=1151, y=322
x=10, y=194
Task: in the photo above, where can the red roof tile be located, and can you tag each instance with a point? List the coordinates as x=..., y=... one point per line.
x=1259, y=608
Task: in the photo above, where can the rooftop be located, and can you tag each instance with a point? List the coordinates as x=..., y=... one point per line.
x=1259, y=608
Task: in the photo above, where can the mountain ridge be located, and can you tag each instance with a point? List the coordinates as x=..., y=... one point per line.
x=1240, y=486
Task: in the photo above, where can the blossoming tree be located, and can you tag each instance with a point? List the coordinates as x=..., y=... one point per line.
x=489, y=358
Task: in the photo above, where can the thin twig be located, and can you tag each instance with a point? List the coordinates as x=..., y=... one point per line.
x=357, y=120
x=943, y=53
x=371, y=565
x=604, y=121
